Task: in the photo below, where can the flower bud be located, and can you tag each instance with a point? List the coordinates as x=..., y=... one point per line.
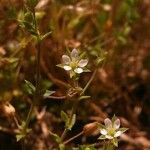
x=90, y=128
x=8, y=109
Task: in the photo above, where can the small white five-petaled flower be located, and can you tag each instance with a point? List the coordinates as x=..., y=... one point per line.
x=111, y=130
x=73, y=63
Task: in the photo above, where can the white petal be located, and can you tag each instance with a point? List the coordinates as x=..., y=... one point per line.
x=116, y=124
x=103, y=131
x=118, y=133
x=67, y=68
x=66, y=59
x=78, y=70
x=108, y=123
x=83, y=62
x=108, y=137
x=74, y=54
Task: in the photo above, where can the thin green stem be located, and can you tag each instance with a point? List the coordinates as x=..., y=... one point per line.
x=37, y=86
x=108, y=145
x=104, y=146
x=38, y=69
x=74, y=137
x=37, y=90
x=112, y=147
x=64, y=134
x=34, y=19
x=57, y=98
x=89, y=82
x=29, y=116
x=16, y=121
x=22, y=145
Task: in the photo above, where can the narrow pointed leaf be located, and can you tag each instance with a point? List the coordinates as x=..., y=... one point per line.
x=101, y=126
x=84, y=97
x=48, y=93
x=114, y=118
x=64, y=117
x=30, y=87
x=46, y=35
x=115, y=142
x=72, y=122
x=19, y=137
x=60, y=66
x=102, y=137
x=123, y=129
x=56, y=137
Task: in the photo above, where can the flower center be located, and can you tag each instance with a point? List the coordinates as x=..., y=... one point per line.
x=111, y=131
x=73, y=64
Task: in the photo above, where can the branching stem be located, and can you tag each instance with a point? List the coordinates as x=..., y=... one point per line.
x=76, y=103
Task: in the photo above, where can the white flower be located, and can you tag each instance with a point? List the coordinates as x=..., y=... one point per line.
x=74, y=63
x=111, y=130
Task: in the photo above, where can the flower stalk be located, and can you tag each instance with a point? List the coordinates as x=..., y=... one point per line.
x=75, y=65
x=37, y=86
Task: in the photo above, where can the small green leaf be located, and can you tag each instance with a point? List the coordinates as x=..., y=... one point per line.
x=39, y=14
x=22, y=125
x=23, y=131
x=73, y=74
x=72, y=122
x=46, y=35
x=69, y=122
x=87, y=147
x=64, y=117
x=68, y=51
x=12, y=60
x=28, y=130
x=60, y=65
x=123, y=129
x=74, y=22
x=87, y=70
x=101, y=126
x=56, y=137
x=115, y=142
x=114, y=118
x=84, y=97
x=22, y=134
x=102, y=137
x=61, y=146
x=122, y=39
x=48, y=93
x=19, y=137
x=30, y=87
x=99, y=60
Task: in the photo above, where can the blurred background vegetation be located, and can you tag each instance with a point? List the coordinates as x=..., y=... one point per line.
x=117, y=30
